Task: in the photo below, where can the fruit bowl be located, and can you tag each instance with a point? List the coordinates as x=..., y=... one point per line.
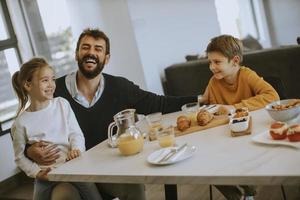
x=284, y=110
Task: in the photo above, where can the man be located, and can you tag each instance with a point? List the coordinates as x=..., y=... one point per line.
x=95, y=98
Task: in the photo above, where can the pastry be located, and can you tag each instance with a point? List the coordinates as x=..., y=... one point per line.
x=204, y=117
x=293, y=133
x=278, y=130
x=241, y=112
x=222, y=111
x=183, y=123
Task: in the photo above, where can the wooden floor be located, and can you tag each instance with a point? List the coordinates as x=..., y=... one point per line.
x=201, y=192
x=185, y=192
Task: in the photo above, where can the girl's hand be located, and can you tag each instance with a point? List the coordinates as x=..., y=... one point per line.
x=43, y=174
x=73, y=154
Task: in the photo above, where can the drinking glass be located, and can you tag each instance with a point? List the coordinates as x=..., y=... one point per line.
x=166, y=137
x=190, y=109
x=200, y=100
x=154, y=121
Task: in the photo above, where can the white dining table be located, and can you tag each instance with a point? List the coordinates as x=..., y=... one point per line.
x=220, y=159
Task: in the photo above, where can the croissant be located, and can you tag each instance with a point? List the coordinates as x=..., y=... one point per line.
x=183, y=123
x=221, y=111
x=204, y=117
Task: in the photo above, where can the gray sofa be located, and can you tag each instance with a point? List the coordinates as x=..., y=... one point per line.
x=280, y=67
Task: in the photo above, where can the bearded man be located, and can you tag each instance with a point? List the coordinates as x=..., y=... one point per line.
x=95, y=98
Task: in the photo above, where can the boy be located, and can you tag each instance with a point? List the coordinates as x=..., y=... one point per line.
x=234, y=86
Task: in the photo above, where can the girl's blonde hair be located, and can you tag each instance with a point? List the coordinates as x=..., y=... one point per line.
x=227, y=45
x=25, y=74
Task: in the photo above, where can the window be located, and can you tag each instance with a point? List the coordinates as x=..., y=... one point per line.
x=45, y=31
x=244, y=19
x=9, y=63
x=228, y=17
x=3, y=29
x=51, y=33
x=59, y=34
x=237, y=18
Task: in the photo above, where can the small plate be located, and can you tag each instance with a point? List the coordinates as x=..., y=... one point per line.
x=265, y=138
x=155, y=157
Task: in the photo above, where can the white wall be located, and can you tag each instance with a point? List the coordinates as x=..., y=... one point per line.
x=112, y=17
x=147, y=36
x=168, y=30
x=124, y=50
x=8, y=167
x=283, y=20
x=84, y=15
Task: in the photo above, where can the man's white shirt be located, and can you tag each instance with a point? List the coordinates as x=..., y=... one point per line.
x=79, y=98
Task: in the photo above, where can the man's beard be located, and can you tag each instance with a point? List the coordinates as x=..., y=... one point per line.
x=90, y=74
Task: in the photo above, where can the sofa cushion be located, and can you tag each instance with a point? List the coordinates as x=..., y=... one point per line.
x=188, y=78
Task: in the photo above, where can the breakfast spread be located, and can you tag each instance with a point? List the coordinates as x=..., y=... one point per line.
x=199, y=120
x=203, y=117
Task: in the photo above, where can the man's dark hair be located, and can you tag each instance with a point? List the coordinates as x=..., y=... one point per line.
x=97, y=34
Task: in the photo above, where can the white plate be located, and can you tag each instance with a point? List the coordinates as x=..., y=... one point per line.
x=265, y=138
x=154, y=157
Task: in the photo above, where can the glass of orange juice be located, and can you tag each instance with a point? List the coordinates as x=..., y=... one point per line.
x=166, y=137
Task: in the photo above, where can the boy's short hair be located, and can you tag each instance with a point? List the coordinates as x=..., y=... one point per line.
x=227, y=45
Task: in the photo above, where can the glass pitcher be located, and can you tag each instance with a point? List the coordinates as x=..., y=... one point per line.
x=128, y=137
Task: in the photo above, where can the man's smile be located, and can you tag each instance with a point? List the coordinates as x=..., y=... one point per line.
x=90, y=59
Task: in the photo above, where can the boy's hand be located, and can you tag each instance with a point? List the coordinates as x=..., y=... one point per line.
x=43, y=153
x=43, y=174
x=73, y=154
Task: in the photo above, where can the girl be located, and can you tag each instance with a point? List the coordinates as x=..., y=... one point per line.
x=48, y=119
